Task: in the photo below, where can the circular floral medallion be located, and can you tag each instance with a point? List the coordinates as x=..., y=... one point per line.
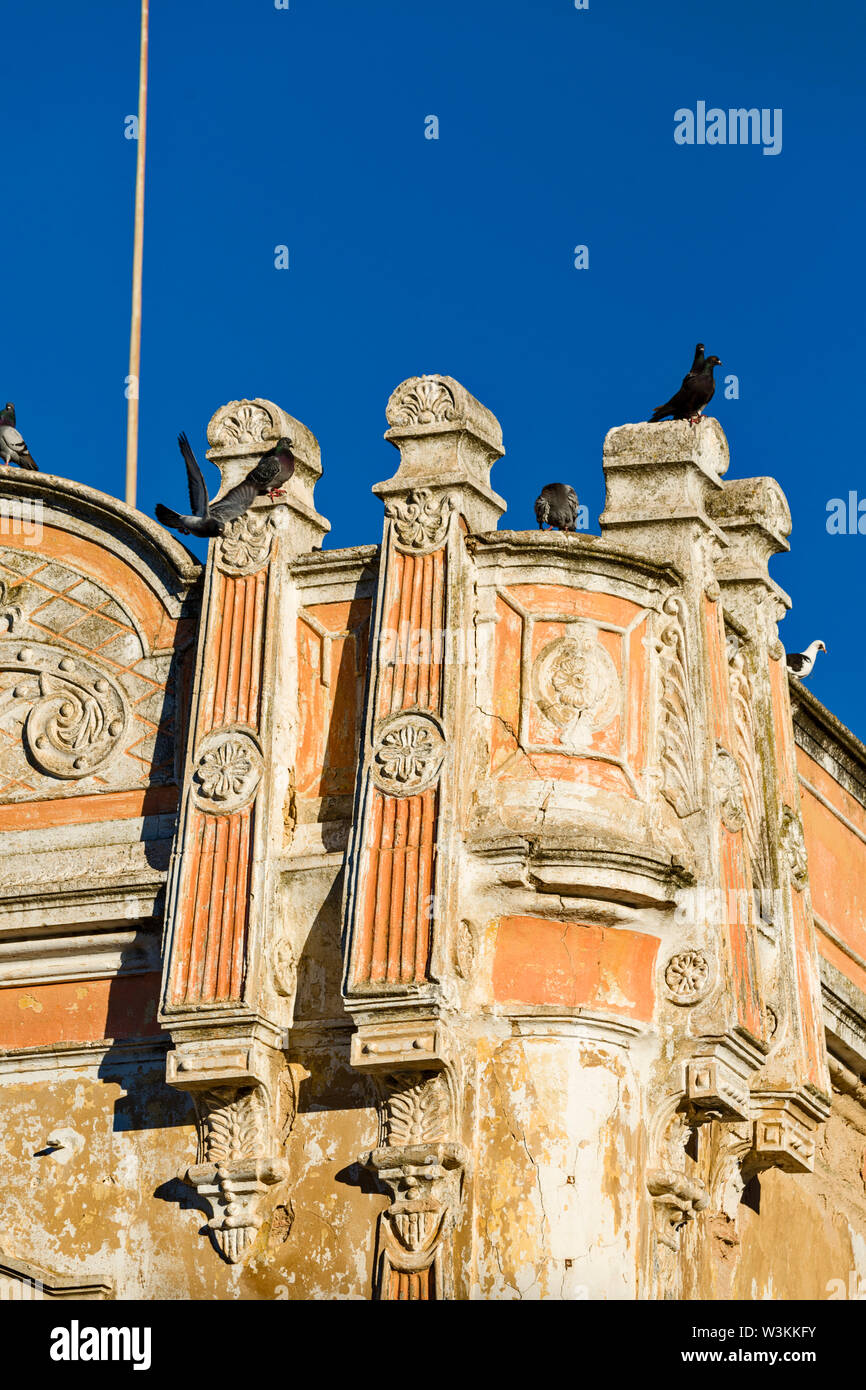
x=687, y=976
x=228, y=770
x=407, y=753
x=576, y=686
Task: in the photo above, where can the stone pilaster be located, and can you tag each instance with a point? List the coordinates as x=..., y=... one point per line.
x=401, y=885
x=790, y=1093
x=225, y=1010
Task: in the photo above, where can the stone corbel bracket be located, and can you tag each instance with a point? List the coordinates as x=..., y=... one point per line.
x=424, y=1171
x=237, y=1128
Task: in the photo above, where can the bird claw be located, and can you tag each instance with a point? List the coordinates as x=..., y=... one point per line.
x=276, y=492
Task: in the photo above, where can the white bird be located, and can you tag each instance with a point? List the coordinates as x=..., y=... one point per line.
x=801, y=663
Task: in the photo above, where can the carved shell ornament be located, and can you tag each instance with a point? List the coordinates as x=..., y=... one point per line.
x=576, y=686
x=421, y=521
x=407, y=754
x=687, y=976
x=425, y=401
x=228, y=771
x=246, y=545
x=244, y=423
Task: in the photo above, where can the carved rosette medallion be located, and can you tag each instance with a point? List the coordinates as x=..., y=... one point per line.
x=75, y=715
x=728, y=787
x=687, y=977
x=423, y=400
x=421, y=520
x=576, y=686
x=246, y=545
x=794, y=847
x=407, y=753
x=228, y=770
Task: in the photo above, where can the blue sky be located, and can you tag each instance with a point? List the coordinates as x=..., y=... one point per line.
x=305, y=127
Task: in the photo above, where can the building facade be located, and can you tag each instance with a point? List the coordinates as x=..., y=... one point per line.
x=478, y=915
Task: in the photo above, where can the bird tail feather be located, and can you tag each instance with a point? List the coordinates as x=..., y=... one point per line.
x=169, y=518
x=27, y=461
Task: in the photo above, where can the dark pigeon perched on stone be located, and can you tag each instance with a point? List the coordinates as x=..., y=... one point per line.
x=12, y=446
x=211, y=518
x=695, y=393
x=556, y=506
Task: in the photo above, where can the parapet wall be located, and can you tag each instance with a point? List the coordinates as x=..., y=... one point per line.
x=511, y=937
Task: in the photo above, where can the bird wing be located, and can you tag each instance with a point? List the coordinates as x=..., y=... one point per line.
x=672, y=406
x=795, y=661
x=12, y=439
x=266, y=471
x=198, y=498
x=236, y=501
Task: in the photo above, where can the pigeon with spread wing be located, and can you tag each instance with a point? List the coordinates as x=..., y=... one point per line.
x=210, y=518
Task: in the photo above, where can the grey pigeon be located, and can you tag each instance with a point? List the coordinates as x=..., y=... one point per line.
x=210, y=519
x=801, y=663
x=695, y=393
x=12, y=446
x=556, y=506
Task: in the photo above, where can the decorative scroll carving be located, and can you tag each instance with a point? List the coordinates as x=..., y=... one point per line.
x=677, y=1200
x=77, y=717
x=233, y=1170
x=746, y=750
x=678, y=740
x=794, y=847
x=407, y=753
x=424, y=400
x=421, y=521
x=576, y=686
x=687, y=976
x=10, y=613
x=728, y=788
x=246, y=545
x=423, y=1171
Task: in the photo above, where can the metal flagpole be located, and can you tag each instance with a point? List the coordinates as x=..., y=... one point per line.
x=137, y=255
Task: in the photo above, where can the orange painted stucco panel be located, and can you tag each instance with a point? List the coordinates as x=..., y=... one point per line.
x=79, y=1011
x=837, y=863
x=331, y=668
x=576, y=965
